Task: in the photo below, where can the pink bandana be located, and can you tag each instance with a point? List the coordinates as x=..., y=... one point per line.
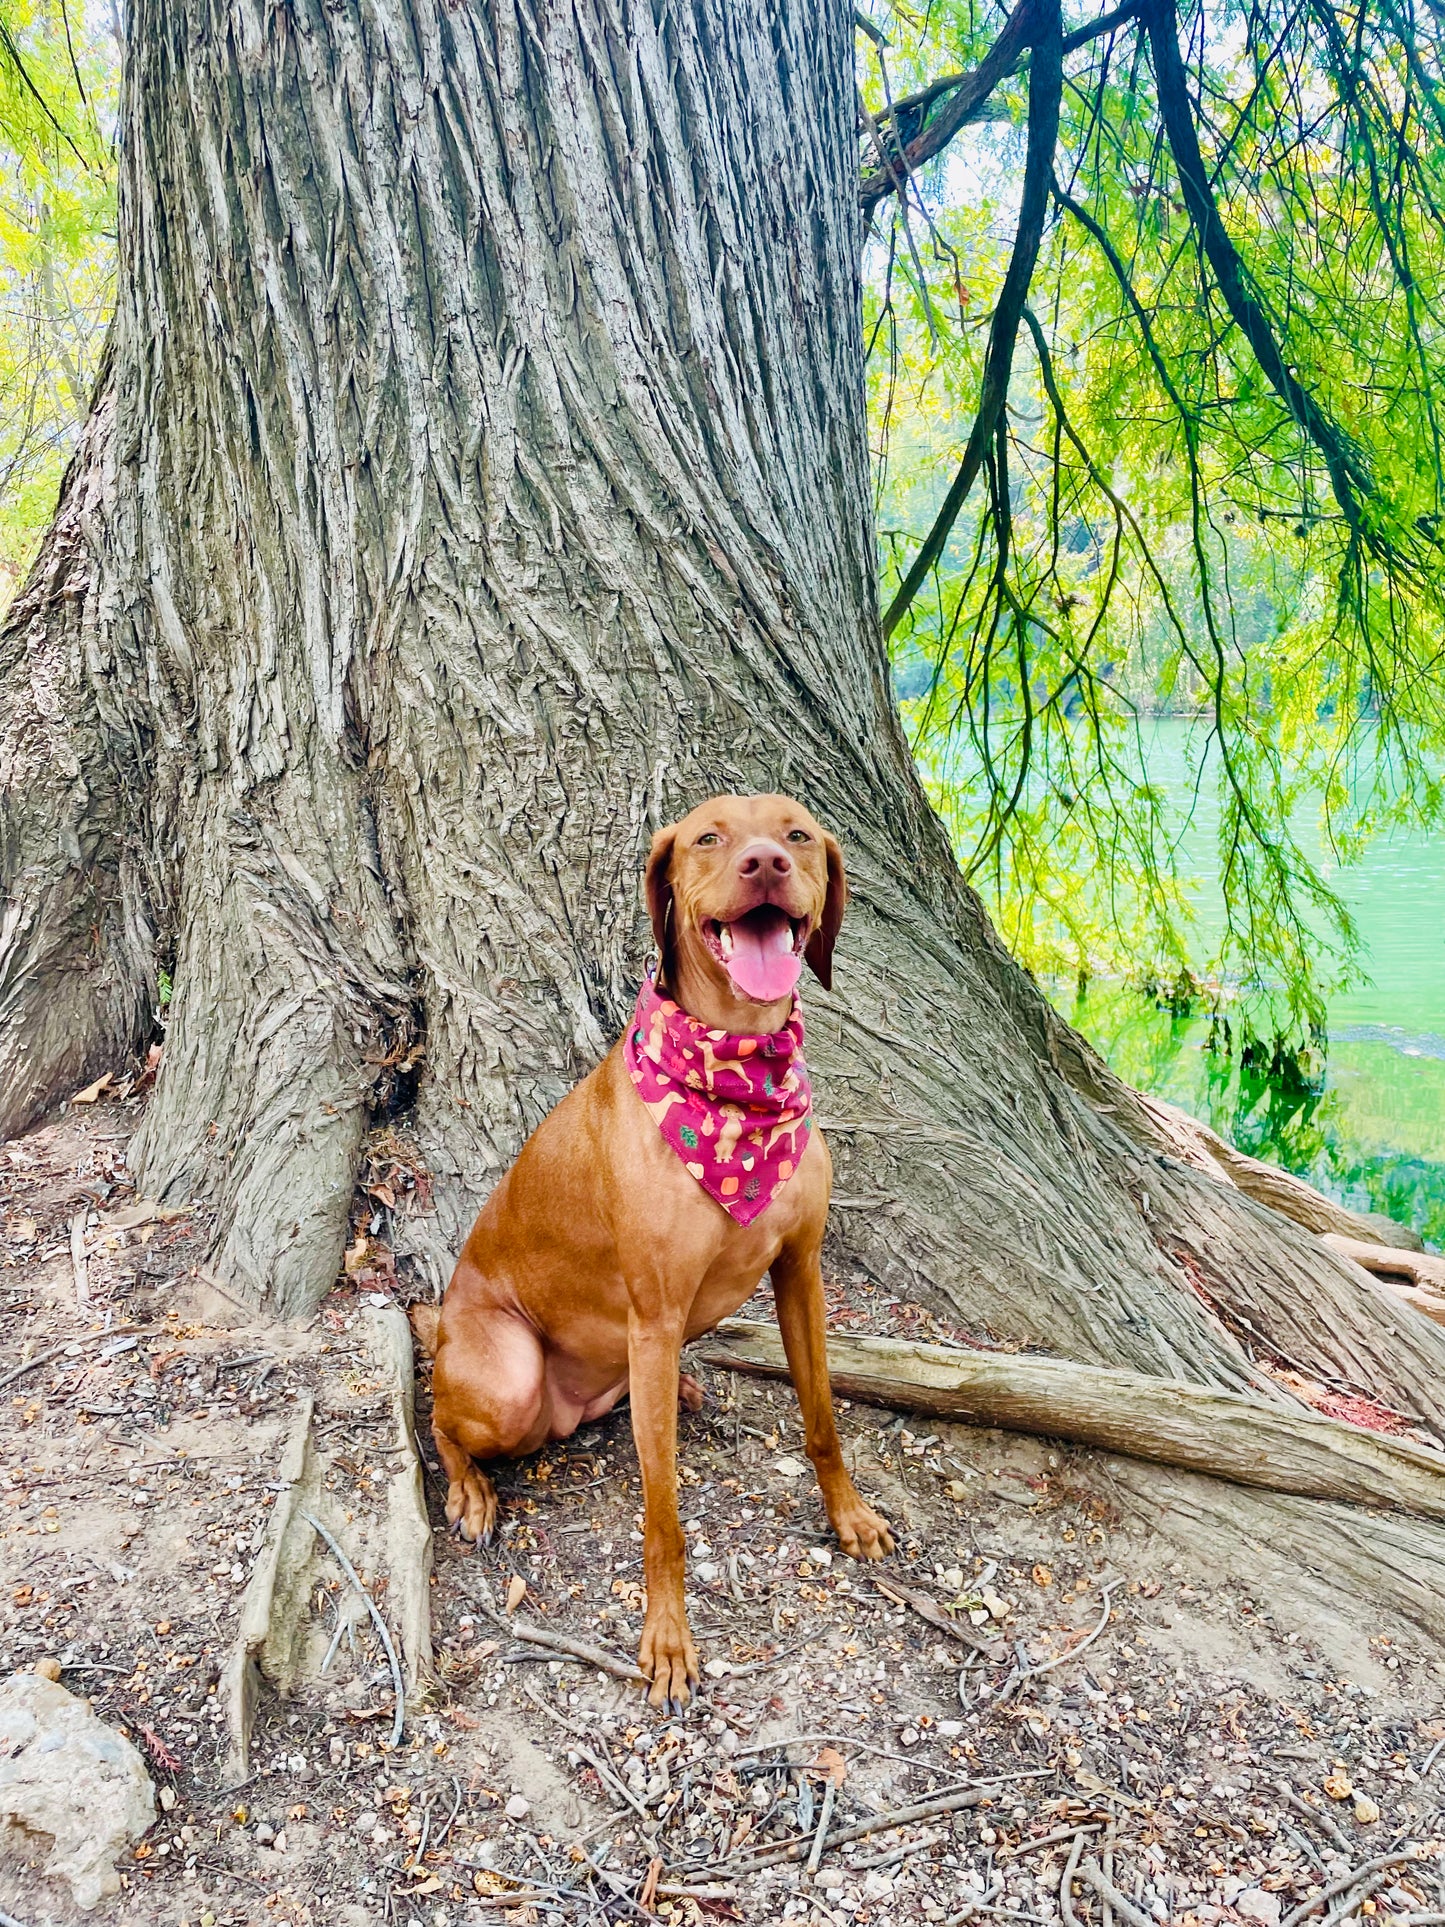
x=737, y=1110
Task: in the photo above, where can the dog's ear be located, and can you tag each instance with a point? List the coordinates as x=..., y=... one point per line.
x=657, y=888
x=819, y=953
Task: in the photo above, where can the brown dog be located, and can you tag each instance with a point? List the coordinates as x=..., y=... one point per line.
x=599, y=1254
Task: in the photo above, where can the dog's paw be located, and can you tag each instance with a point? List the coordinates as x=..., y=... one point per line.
x=668, y=1658
x=862, y=1532
x=690, y=1394
x=472, y=1508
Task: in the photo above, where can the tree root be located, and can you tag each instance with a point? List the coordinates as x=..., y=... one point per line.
x=1424, y=1273
x=408, y=1529
x=1193, y=1143
x=276, y=1640
x=250, y=1655
x=1279, y=1447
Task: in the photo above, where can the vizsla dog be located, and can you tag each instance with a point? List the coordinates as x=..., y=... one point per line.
x=656, y=1195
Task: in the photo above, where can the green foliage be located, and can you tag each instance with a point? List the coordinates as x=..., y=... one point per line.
x=1163, y=528
x=58, y=84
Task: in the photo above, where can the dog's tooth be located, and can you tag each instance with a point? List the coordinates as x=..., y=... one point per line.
x=725, y=939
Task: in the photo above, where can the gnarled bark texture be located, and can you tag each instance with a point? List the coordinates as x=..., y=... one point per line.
x=487, y=483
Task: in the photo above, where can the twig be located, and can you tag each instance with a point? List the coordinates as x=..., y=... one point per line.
x=533, y=1635
x=77, y=1260
x=603, y=1771
x=1431, y=1757
x=617, y=1887
x=377, y=1620
x=933, y=1614
x=1106, y=1890
x=1322, y=1820
x=796, y=1849
x=887, y=1858
x=820, y=1838
x=1054, y=1839
x=56, y=1351
x=1346, y=1881
x=973, y=1907
x=667, y=1892
x=9, y=1920
x=1066, y=1898
x=1017, y=1680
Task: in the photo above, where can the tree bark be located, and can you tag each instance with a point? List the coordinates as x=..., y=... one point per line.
x=487, y=483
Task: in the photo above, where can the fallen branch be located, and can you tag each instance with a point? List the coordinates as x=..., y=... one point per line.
x=1226, y=1435
x=534, y=1635
x=930, y=1611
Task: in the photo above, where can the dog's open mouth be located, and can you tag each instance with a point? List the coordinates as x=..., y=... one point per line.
x=762, y=951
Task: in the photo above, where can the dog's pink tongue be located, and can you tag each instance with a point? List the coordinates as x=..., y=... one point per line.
x=762, y=964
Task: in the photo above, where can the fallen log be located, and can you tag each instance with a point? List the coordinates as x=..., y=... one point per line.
x=1279, y=1447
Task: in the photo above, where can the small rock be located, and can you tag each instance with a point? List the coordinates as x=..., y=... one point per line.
x=66, y=1774
x=364, y=1821
x=909, y=1736
x=949, y=1729
x=1366, y=1812
x=265, y=1834
x=47, y=1668
x=790, y=1468
x=517, y=1808
x=168, y=1799
x=1255, y=1904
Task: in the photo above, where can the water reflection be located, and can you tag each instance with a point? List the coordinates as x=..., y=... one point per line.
x=1369, y=1131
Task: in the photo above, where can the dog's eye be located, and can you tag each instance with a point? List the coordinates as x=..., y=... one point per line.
x=799, y=836
x=708, y=836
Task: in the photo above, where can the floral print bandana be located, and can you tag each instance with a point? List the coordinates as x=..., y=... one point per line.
x=736, y=1109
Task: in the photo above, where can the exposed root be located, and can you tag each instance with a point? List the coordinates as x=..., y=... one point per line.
x=241, y=1680
x=1193, y=1143
x=1248, y=1441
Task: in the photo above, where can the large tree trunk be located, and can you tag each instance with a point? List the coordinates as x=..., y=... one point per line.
x=487, y=483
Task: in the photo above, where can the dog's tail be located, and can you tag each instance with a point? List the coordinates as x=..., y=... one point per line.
x=424, y=1322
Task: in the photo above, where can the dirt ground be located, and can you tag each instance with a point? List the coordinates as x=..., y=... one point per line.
x=1035, y=1680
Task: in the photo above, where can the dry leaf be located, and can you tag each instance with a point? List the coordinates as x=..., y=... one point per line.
x=832, y=1763
x=356, y=1254
x=1338, y=1785
x=92, y=1091
x=516, y=1591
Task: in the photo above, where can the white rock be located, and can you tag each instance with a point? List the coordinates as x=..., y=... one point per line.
x=1255, y=1904
x=66, y=1774
x=949, y=1729
x=517, y=1808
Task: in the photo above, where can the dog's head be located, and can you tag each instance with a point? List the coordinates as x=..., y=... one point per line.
x=744, y=889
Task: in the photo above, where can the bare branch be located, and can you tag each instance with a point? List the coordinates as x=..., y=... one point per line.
x=1348, y=470
x=971, y=92
x=1046, y=82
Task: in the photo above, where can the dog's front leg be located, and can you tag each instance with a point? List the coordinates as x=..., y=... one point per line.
x=798, y=1292
x=667, y=1654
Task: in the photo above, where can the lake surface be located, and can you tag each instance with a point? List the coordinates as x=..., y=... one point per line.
x=1374, y=1135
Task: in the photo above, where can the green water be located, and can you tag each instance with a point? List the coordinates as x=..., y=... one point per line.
x=1373, y=1135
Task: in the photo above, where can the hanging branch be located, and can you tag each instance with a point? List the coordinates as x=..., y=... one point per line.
x=1046, y=81
x=1348, y=469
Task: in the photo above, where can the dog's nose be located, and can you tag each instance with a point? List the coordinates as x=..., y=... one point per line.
x=764, y=860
